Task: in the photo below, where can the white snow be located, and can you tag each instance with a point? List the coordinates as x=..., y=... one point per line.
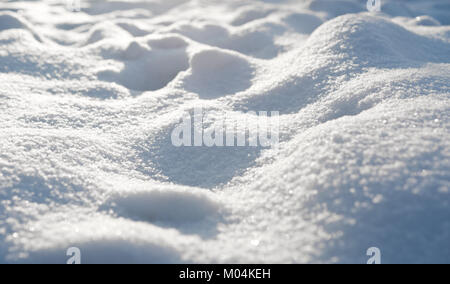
x=89, y=100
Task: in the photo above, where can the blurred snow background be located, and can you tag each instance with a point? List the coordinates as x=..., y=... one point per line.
x=88, y=101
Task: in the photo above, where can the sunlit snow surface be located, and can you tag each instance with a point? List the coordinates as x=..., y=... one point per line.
x=88, y=102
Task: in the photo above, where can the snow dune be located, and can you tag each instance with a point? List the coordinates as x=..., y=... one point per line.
x=89, y=101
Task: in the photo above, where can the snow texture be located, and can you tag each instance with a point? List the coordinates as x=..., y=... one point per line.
x=88, y=102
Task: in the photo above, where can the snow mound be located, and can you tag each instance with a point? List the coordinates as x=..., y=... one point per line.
x=248, y=40
x=173, y=42
x=250, y=14
x=147, y=69
x=216, y=73
x=375, y=41
x=426, y=21
x=10, y=21
x=89, y=102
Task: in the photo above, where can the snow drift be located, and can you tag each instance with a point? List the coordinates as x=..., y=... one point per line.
x=89, y=100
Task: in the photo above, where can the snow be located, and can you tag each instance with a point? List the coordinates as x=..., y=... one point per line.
x=89, y=101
